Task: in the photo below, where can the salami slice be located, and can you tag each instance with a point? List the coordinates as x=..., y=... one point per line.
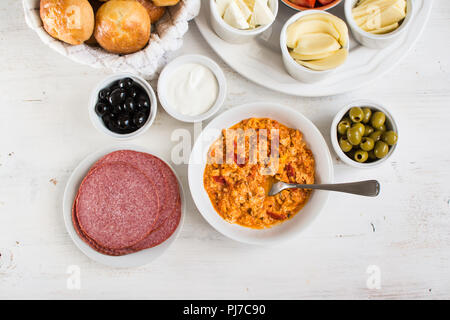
x=117, y=205
x=158, y=171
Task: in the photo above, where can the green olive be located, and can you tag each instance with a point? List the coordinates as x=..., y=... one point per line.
x=361, y=156
x=390, y=137
x=345, y=145
x=367, y=144
x=356, y=114
x=372, y=155
x=382, y=128
x=368, y=131
x=378, y=119
x=376, y=136
x=360, y=127
x=381, y=149
x=354, y=135
x=367, y=114
x=343, y=126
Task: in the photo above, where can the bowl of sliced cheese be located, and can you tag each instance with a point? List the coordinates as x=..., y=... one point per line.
x=378, y=23
x=239, y=21
x=314, y=43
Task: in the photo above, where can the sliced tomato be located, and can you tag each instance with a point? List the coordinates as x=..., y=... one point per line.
x=290, y=171
x=220, y=179
x=276, y=216
x=325, y=2
x=304, y=3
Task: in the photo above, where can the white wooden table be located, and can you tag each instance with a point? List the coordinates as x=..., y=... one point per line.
x=45, y=132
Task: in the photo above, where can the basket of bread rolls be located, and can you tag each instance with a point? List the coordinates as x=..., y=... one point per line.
x=122, y=35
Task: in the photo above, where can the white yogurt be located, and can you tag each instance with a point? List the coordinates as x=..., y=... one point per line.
x=192, y=89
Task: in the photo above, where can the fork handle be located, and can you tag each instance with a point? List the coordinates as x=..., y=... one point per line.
x=369, y=188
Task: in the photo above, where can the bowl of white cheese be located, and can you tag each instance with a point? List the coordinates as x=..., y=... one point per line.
x=192, y=88
x=239, y=21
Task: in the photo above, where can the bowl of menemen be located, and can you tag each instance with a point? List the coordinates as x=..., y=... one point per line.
x=364, y=134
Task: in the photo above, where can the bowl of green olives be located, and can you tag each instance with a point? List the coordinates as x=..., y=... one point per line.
x=123, y=106
x=364, y=134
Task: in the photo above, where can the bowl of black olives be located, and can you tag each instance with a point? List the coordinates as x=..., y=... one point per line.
x=364, y=134
x=123, y=106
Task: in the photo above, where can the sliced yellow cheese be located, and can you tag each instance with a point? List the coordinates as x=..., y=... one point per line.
x=250, y=4
x=307, y=57
x=385, y=18
x=316, y=43
x=386, y=29
x=338, y=24
x=300, y=27
x=379, y=16
x=327, y=63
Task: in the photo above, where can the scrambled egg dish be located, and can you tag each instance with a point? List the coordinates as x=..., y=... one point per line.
x=244, y=163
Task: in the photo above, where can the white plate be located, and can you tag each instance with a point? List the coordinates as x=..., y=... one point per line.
x=260, y=60
x=288, y=117
x=131, y=260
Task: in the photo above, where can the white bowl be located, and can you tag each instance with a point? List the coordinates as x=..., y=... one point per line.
x=126, y=261
x=98, y=122
x=233, y=35
x=296, y=70
x=289, y=117
x=208, y=63
x=390, y=125
x=377, y=41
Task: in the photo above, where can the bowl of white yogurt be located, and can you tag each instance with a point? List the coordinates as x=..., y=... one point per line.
x=192, y=88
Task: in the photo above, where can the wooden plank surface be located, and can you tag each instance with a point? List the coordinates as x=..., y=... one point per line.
x=45, y=132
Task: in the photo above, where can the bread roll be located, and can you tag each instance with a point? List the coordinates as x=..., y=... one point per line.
x=122, y=26
x=154, y=12
x=71, y=21
x=165, y=3
x=96, y=4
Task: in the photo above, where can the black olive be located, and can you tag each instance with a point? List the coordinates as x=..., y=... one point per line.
x=132, y=92
x=101, y=109
x=126, y=83
x=129, y=105
x=118, y=109
x=123, y=122
x=143, y=104
x=139, y=119
x=117, y=96
x=106, y=119
x=104, y=94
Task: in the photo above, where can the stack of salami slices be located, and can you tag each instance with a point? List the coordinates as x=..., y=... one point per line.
x=129, y=201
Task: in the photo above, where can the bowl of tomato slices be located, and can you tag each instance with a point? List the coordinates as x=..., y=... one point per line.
x=302, y=5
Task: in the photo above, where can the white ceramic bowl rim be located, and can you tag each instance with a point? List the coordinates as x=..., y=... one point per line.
x=313, y=138
x=283, y=41
x=205, y=61
x=349, y=5
x=106, y=82
x=334, y=137
x=256, y=31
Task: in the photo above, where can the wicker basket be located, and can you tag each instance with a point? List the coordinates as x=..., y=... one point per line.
x=167, y=35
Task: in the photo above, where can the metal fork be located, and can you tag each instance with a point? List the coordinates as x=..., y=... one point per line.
x=370, y=188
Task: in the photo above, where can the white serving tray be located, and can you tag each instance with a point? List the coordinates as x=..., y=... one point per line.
x=260, y=60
